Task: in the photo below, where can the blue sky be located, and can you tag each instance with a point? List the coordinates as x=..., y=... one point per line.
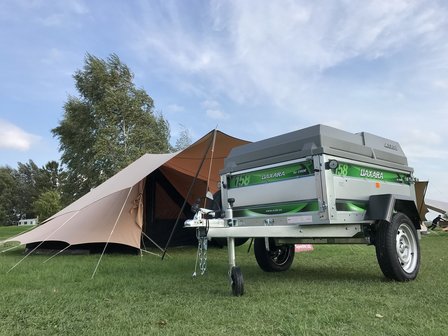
x=255, y=68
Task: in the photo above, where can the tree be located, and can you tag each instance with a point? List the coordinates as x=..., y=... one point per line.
x=47, y=204
x=8, y=195
x=184, y=139
x=48, y=177
x=20, y=188
x=25, y=177
x=108, y=126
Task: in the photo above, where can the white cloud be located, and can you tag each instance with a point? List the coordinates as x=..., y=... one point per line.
x=216, y=114
x=53, y=56
x=61, y=12
x=52, y=20
x=13, y=137
x=213, y=110
x=270, y=66
x=210, y=104
x=258, y=51
x=174, y=108
x=441, y=84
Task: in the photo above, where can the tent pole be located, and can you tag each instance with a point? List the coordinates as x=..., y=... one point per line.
x=154, y=254
x=211, y=162
x=111, y=232
x=186, y=198
x=11, y=248
x=57, y=253
x=152, y=241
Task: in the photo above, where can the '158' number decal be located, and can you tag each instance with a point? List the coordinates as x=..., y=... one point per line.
x=240, y=181
x=342, y=169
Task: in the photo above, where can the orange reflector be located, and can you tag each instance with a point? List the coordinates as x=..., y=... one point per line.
x=378, y=185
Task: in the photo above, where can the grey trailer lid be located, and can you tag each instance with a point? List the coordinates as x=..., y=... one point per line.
x=314, y=140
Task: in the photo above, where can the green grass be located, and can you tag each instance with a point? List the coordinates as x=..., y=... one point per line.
x=334, y=290
x=10, y=231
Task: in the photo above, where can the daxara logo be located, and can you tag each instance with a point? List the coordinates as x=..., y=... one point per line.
x=273, y=175
x=371, y=174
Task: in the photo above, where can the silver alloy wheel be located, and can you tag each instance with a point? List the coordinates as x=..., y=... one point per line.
x=407, y=247
x=280, y=255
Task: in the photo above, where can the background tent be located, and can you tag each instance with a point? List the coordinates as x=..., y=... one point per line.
x=437, y=206
x=140, y=204
x=420, y=192
x=425, y=204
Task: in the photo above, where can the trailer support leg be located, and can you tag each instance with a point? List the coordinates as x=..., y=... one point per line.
x=235, y=274
x=231, y=251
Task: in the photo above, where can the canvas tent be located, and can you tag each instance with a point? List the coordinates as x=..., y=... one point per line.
x=140, y=204
x=420, y=192
x=437, y=206
x=424, y=204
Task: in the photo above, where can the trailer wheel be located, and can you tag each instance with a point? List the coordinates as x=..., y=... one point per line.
x=236, y=281
x=277, y=259
x=398, y=249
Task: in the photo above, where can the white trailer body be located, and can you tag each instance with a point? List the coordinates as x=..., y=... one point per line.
x=318, y=185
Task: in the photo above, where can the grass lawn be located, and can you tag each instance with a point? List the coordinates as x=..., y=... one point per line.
x=334, y=290
x=10, y=231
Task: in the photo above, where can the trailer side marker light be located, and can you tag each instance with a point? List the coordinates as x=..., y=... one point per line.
x=378, y=185
x=303, y=248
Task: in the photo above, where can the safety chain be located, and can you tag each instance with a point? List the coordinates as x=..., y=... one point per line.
x=201, y=235
x=203, y=255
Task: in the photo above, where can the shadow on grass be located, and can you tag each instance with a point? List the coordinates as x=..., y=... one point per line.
x=217, y=285
x=319, y=272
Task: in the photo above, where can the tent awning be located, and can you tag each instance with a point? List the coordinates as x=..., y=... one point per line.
x=124, y=179
x=437, y=206
x=107, y=212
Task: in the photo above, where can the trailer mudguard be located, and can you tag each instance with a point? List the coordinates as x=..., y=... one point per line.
x=382, y=207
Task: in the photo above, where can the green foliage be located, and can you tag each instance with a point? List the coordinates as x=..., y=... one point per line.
x=48, y=177
x=47, y=204
x=20, y=188
x=334, y=290
x=26, y=176
x=8, y=196
x=184, y=139
x=111, y=124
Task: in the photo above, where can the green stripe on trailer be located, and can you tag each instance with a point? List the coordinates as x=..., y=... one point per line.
x=356, y=171
x=277, y=209
x=351, y=205
x=270, y=175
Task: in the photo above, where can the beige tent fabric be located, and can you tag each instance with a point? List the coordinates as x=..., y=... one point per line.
x=420, y=191
x=91, y=219
x=124, y=179
x=137, y=207
x=113, y=211
x=437, y=206
x=100, y=219
x=425, y=204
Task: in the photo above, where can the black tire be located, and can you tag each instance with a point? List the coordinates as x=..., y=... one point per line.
x=277, y=259
x=398, y=248
x=236, y=281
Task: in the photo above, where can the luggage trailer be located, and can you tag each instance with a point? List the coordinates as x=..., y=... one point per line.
x=318, y=185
